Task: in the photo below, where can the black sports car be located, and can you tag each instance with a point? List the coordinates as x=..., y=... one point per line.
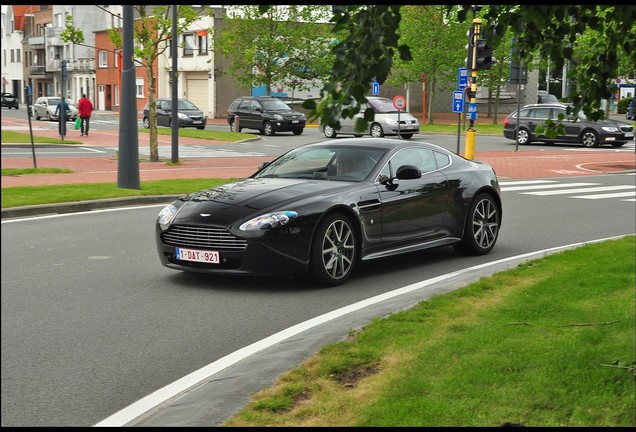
x=320, y=208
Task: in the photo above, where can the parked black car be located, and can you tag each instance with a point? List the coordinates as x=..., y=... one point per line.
x=320, y=209
x=189, y=114
x=9, y=101
x=577, y=129
x=266, y=114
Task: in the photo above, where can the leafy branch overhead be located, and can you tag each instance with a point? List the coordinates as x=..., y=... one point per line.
x=542, y=31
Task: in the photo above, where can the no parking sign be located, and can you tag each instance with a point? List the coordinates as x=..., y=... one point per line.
x=399, y=102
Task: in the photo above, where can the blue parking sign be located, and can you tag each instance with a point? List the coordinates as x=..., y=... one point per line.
x=376, y=88
x=462, y=78
x=458, y=101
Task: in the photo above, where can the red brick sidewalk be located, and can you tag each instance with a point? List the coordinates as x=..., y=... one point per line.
x=508, y=164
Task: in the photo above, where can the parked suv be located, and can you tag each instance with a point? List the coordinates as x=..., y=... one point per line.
x=189, y=114
x=266, y=114
x=9, y=101
x=577, y=129
x=386, y=121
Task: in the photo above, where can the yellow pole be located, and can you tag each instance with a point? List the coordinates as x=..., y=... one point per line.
x=471, y=132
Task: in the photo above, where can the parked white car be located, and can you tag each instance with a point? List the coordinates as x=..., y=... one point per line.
x=44, y=107
x=387, y=121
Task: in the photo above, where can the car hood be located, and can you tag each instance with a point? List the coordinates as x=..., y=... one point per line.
x=228, y=203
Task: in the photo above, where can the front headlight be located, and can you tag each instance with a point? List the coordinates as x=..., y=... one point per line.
x=269, y=221
x=167, y=215
x=279, y=117
x=611, y=129
x=182, y=116
x=391, y=122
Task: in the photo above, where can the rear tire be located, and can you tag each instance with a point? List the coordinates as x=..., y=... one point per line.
x=482, y=226
x=523, y=136
x=329, y=131
x=333, y=251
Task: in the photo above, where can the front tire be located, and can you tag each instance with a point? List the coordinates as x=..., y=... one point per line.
x=589, y=138
x=329, y=131
x=482, y=226
x=333, y=251
x=298, y=132
x=377, y=131
x=407, y=136
x=268, y=129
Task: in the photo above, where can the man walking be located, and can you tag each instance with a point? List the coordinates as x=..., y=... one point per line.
x=85, y=109
x=62, y=110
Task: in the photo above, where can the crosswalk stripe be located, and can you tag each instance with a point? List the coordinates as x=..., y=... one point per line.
x=580, y=190
x=544, y=186
x=612, y=195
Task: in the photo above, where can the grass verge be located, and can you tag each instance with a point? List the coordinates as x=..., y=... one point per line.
x=550, y=343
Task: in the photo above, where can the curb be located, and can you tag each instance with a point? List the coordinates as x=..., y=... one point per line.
x=83, y=206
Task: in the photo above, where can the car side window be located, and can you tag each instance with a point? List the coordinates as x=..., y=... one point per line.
x=244, y=105
x=255, y=106
x=423, y=159
x=542, y=113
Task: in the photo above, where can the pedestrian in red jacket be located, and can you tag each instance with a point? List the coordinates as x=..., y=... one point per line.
x=85, y=109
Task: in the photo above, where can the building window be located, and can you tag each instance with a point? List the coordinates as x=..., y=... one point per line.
x=139, y=85
x=202, y=38
x=117, y=54
x=116, y=95
x=103, y=59
x=12, y=56
x=188, y=45
x=17, y=56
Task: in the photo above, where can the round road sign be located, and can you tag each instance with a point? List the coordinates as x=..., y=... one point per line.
x=399, y=102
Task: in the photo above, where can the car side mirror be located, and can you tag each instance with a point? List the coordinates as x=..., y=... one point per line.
x=408, y=172
x=259, y=109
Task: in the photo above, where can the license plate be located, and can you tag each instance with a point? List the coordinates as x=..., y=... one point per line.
x=210, y=257
x=295, y=121
x=629, y=134
x=197, y=122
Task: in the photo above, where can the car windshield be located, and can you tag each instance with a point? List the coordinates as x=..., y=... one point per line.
x=274, y=105
x=54, y=101
x=383, y=105
x=324, y=162
x=185, y=104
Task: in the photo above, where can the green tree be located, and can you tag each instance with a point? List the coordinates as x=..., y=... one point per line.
x=152, y=33
x=282, y=45
x=437, y=44
x=548, y=31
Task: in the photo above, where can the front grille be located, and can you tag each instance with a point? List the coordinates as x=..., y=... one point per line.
x=203, y=237
x=626, y=129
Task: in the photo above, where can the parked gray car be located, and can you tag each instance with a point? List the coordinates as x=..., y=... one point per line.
x=387, y=121
x=44, y=107
x=578, y=129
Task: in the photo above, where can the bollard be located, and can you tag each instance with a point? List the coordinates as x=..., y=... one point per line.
x=236, y=124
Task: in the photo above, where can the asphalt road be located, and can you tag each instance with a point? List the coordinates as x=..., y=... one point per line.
x=96, y=332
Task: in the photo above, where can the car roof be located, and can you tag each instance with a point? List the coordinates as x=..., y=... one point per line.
x=545, y=105
x=380, y=143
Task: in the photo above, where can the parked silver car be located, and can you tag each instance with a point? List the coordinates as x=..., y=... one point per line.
x=385, y=121
x=44, y=107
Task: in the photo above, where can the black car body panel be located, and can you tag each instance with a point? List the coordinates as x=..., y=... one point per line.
x=189, y=114
x=389, y=215
x=268, y=115
x=578, y=130
x=10, y=101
